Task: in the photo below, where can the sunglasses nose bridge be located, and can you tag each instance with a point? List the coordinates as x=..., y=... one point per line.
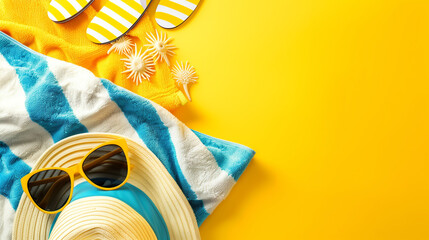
x=75, y=170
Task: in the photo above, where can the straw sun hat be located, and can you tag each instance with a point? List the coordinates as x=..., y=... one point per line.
x=103, y=216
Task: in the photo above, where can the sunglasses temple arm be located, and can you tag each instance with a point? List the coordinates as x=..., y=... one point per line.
x=97, y=161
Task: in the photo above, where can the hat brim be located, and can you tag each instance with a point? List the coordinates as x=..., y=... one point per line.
x=148, y=174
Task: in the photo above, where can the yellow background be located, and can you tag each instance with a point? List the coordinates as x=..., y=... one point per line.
x=333, y=96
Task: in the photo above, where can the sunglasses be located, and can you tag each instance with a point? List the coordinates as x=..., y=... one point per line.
x=106, y=167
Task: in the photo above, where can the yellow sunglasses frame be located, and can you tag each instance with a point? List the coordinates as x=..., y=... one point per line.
x=78, y=169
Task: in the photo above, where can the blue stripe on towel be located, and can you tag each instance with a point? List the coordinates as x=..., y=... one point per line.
x=156, y=136
x=46, y=103
x=231, y=157
x=12, y=169
x=199, y=210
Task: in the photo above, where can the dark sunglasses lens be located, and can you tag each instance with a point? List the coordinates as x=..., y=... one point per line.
x=50, y=189
x=107, y=166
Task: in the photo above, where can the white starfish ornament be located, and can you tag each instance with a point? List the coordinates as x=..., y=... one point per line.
x=159, y=46
x=139, y=65
x=121, y=46
x=184, y=74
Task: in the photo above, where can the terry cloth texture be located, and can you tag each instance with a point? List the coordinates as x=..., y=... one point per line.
x=28, y=23
x=44, y=100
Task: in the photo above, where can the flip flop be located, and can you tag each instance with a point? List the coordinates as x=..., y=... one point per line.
x=115, y=19
x=172, y=13
x=61, y=11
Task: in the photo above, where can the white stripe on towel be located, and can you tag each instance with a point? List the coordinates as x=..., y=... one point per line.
x=210, y=183
x=90, y=101
x=25, y=138
x=8, y=215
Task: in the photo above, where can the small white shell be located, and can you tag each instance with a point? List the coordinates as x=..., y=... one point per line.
x=139, y=65
x=184, y=74
x=122, y=46
x=159, y=46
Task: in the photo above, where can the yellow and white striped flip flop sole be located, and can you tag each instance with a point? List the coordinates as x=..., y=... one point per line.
x=61, y=11
x=172, y=13
x=115, y=19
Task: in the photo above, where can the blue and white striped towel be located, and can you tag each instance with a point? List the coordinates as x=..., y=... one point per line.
x=43, y=100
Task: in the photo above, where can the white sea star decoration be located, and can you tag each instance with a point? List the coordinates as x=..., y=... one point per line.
x=159, y=46
x=139, y=65
x=184, y=74
x=121, y=46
